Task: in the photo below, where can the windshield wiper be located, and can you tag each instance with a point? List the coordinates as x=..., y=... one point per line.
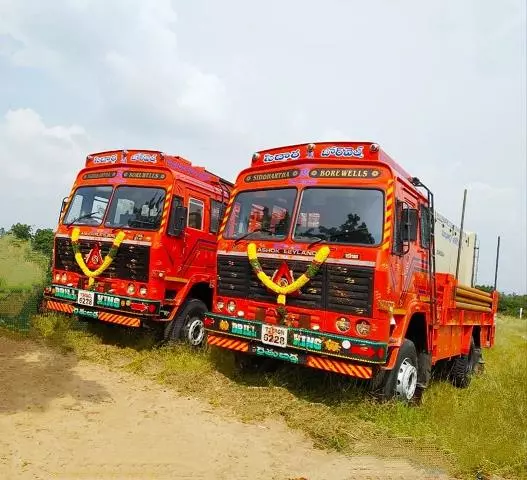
x=82, y=217
x=336, y=235
x=264, y=230
x=318, y=239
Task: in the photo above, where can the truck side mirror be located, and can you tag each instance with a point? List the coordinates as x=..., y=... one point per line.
x=409, y=225
x=178, y=220
x=63, y=206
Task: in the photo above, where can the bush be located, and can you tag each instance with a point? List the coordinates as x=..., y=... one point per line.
x=21, y=231
x=43, y=241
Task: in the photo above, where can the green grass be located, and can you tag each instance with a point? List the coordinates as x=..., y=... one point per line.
x=20, y=267
x=482, y=429
x=22, y=272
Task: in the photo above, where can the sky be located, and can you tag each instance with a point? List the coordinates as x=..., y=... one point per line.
x=440, y=85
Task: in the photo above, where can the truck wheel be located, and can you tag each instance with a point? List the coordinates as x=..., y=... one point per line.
x=479, y=363
x=188, y=325
x=401, y=382
x=463, y=367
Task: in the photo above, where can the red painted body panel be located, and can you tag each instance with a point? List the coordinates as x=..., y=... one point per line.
x=176, y=264
x=401, y=285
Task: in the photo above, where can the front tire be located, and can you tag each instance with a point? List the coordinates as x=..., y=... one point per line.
x=188, y=325
x=401, y=382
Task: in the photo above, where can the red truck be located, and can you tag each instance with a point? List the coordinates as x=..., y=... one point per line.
x=136, y=243
x=332, y=256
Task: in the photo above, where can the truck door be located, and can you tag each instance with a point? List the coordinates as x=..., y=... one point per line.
x=200, y=248
x=408, y=257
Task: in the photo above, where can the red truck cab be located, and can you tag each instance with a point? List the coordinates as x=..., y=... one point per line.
x=136, y=242
x=327, y=258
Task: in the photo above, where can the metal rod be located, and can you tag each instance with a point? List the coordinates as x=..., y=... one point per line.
x=497, y=262
x=474, y=308
x=473, y=277
x=459, y=245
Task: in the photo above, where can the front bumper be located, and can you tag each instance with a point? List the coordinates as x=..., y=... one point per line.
x=105, y=307
x=346, y=355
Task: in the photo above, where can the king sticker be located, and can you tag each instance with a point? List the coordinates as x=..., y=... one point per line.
x=94, y=258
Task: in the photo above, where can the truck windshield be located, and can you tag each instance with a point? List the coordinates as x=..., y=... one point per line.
x=267, y=213
x=340, y=215
x=136, y=207
x=88, y=205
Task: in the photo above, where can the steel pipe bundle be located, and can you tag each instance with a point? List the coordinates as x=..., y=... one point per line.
x=469, y=298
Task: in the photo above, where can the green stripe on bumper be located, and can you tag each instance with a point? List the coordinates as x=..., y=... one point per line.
x=339, y=346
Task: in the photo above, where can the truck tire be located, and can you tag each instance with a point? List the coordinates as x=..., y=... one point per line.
x=188, y=324
x=463, y=367
x=401, y=382
x=479, y=363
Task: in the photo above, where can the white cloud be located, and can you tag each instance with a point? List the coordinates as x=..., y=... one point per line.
x=39, y=164
x=440, y=86
x=127, y=51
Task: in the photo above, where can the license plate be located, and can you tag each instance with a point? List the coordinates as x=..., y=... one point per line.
x=86, y=298
x=273, y=335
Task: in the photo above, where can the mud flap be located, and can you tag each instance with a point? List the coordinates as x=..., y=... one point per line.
x=424, y=369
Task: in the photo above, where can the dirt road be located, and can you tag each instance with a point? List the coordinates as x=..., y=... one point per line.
x=64, y=419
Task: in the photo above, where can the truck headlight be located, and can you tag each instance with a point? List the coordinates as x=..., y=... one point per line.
x=231, y=306
x=362, y=328
x=343, y=324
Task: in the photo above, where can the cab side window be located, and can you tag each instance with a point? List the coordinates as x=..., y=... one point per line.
x=216, y=209
x=406, y=221
x=195, y=213
x=426, y=226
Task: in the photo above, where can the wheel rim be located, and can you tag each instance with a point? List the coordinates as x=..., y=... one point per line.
x=195, y=331
x=406, y=380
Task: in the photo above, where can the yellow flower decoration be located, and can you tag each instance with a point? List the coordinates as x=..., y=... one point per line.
x=107, y=260
x=320, y=258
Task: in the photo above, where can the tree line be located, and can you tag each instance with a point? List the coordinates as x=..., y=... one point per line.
x=42, y=241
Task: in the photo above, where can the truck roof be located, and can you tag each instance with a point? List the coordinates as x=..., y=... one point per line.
x=328, y=151
x=152, y=158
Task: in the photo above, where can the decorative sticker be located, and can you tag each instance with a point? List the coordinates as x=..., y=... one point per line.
x=104, y=159
x=344, y=173
x=272, y=353
x=190, y=170
x=85, y=313
x=286, y=251
x=244, y=329
x=66, y=293
x=301, y=340
x=282, y=156
x=145, y=175
x=94, y=175
x=108, y=301
x=266, y=177
x=357, y=152
x=143, y=157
